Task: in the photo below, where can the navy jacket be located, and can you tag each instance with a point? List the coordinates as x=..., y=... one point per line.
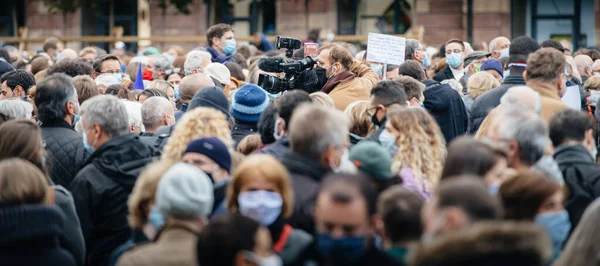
x=486, y=102
x=447, y=107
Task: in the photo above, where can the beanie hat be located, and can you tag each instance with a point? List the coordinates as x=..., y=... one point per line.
x=5, y=67
x=212, y=97
x=218, y=71
x=493, y=64
x=212, y=148
x=248, y=103
x=474, y=56
x=371, y=158
x=184, y=192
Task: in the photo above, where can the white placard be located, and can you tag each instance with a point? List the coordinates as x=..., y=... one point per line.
x=384, y=48
x=572, y=97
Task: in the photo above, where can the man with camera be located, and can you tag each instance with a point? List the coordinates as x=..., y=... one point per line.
x=345, y=79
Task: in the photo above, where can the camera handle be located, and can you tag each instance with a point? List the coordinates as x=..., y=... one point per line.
x=289, y=53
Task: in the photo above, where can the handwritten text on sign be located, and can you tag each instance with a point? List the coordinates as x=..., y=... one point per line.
x=385, y=49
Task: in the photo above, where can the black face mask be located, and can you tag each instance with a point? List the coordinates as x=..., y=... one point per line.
x=374, y=120
x=321, y=76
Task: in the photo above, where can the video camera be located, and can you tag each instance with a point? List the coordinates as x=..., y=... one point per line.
x=298, y=73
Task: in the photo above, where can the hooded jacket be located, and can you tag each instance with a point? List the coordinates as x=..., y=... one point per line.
x=448, y=109
x=489, y=244
x=101, y=190
x=30, y=236
x=486, y=102
x=582, y=177
x=306, y=175
x=65, y=151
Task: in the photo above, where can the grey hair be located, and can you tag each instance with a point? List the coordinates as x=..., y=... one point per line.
x=492, y=44
x=161, y=61
x=16, y=109
x=107, y=111
x=195, y=60
x=153, y=111
x=522, y=97
x=134, y=113
x=10, y=48
x=314, y=128
x=411, y=47
x=454, y=84
x=527, y=129
x=139, y=59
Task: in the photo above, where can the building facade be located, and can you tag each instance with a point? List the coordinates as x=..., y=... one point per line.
x=475, y=20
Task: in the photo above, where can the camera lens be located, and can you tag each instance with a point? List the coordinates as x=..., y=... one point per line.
x=270, y=83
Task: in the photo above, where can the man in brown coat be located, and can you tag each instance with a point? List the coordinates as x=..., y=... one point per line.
x=348, y=80
x=184, y=197
x=545, y=74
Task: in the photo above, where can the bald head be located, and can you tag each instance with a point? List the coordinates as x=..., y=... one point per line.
x=497, y=44
x=192, y=84
x=584, y=65
x=68, y=54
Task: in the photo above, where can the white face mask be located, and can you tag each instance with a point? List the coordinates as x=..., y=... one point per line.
x=346, y=166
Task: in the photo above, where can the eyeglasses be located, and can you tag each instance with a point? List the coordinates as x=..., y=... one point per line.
x=458, y=51
x=115, y=71
x=370, y=110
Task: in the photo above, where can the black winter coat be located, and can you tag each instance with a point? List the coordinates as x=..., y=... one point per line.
x=276, y=149
x=582, y=178
x=445, y=74
x=306, y=175
x=30, y=236
x=240, y=131
x=372, y=257
x=66, y=154
x=101, y=190
x=489, y=100
x=448, y=109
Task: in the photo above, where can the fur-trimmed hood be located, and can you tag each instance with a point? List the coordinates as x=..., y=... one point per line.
x=488, y=243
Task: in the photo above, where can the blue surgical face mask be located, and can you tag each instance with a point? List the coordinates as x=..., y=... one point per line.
x=87, y=146
x=156, y=219
x=505, y=74
x=426, y=60
x=388, y=141
x=454, y=60
x=229, y=46
x=261, y=205
x=43, y=160
x=557, y=225
x=377, y=68
x=343, y=251
x=76, y=119
x=176, y=89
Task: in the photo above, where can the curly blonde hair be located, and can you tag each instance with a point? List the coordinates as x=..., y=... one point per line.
x=421, y=145
x=481, y=82
x=197, y=123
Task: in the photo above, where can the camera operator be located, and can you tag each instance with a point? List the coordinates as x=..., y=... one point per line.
x=345, y=80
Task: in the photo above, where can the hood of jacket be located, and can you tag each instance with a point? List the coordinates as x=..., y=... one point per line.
x=122, y=158
x=302, y=165
x=486, y=243
x=573, y=154
x=26, y=224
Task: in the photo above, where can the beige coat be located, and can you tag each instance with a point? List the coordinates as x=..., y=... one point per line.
x=175, y=245
x=356, y=89
x=551, y=102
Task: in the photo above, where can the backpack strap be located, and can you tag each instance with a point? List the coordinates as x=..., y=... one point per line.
x=285, y=235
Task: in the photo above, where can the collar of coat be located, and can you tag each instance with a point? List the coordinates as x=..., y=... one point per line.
x=544, y=89
x=486, y=243
x=335, y=80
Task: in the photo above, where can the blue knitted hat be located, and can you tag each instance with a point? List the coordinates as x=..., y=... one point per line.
x=212, y=148
x=248, y=103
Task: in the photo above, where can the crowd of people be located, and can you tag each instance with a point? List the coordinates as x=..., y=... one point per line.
x=464, y=156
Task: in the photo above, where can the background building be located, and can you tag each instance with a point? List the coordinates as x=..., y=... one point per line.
x=474, y=20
